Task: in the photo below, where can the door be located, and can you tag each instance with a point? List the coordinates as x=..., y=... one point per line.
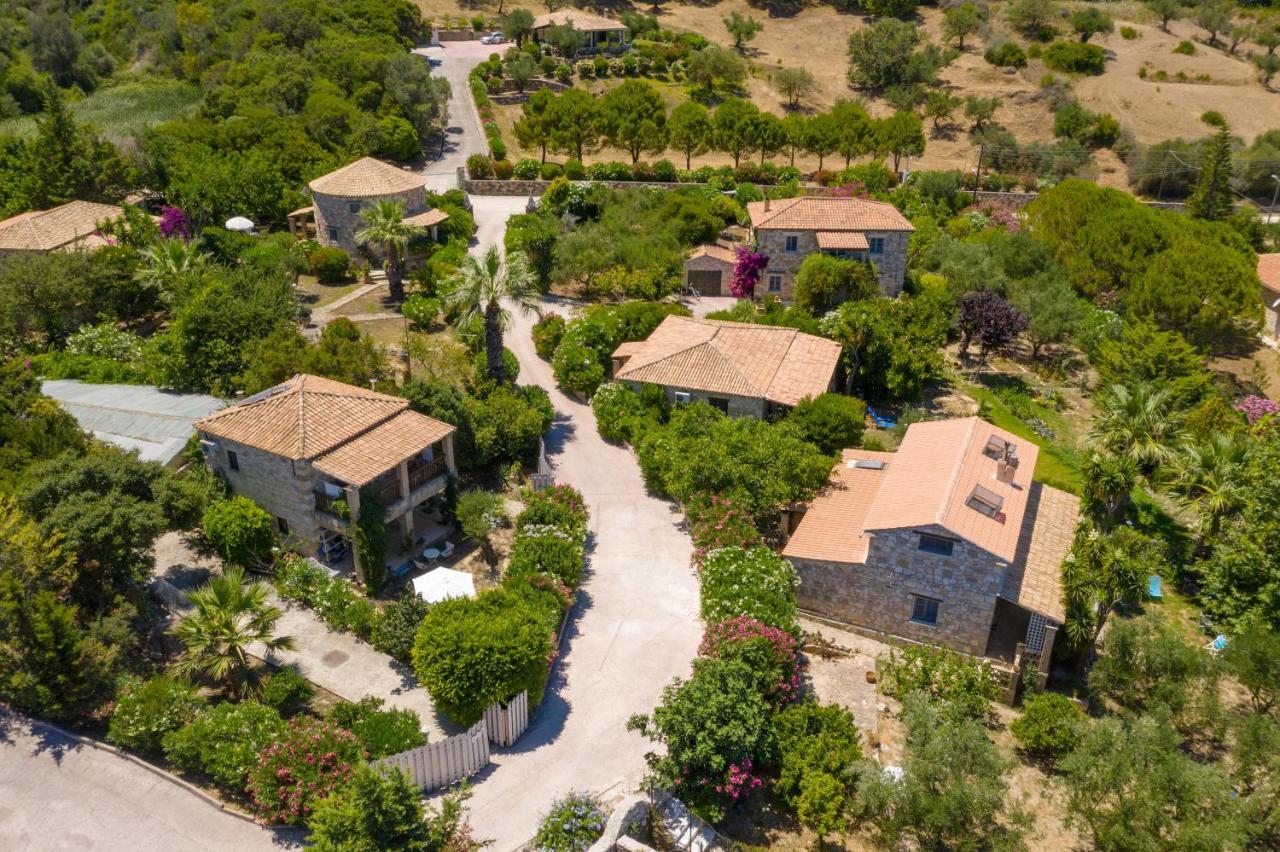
x=705, y=282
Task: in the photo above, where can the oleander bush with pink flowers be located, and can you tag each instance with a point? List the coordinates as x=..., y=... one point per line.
x=716, y=521
x=772, y=653
x=312, y=760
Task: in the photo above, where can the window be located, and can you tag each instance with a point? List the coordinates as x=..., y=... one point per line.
x=775, y=283
x=791, y=243
x=683, y=397
x=876, y=245
x=935, y=544
x=282, y=525
x=353, y=206
x=718, y=402
x=333, y=234
x=233, y=461
x=924, y=610
x=986, y=502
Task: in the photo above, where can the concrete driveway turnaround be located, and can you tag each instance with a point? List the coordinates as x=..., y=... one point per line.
x=636, y=627
x=56, y=793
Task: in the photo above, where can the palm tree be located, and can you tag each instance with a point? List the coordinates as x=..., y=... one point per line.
x=168, y=265
x=1208, y=478
x=1138, y=423
x=478, y=290
x=228, y=617
x=1102, y=571
x=384, y=226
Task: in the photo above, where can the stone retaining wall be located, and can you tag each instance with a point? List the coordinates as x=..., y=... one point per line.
x=457, y=35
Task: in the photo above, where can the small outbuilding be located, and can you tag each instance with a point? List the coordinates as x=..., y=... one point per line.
x=73, y=226
x=708, y=271
x=600, y=31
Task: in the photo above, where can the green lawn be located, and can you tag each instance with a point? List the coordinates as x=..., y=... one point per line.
x=126, y=110
x=1056, y=465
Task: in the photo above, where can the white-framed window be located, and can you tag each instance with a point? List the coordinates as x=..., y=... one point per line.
x=924, y=610
x=333, y=234
x=775, y=284
x=791, y=243
x=876, y=245
x=683, y=397
x=935, y=544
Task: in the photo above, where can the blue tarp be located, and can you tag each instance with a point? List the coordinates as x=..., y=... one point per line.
x=882, y=421
x=1155, y=589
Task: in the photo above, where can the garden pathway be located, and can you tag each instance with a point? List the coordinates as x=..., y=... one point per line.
x=635, y=629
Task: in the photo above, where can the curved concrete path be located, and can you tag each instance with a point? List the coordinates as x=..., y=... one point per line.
x=636, y=626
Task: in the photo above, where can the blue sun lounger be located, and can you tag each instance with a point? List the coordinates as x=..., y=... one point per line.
x=1155, y=588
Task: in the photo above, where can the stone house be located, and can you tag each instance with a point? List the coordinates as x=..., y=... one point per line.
x=1269, y=275
x=708, y=271
x=600, y=32
x=309, y=450
x=69, y=227
x=788, y=230
x=339, y=199
x=742, y=369
x=946, y=541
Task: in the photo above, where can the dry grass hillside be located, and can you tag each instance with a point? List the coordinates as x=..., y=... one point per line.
x=814, y=36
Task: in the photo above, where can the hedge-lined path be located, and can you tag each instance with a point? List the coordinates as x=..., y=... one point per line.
x=59, y=793
x=636, y=626
x=338, y=662
x=463, y=137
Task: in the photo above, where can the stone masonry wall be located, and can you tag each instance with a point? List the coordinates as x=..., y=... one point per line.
x=879, y=594
x=280, y=486
x=739, y=406
x=891, y=265
x=335, y=211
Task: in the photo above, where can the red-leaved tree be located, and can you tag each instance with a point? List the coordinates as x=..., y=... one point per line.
x=990, y=321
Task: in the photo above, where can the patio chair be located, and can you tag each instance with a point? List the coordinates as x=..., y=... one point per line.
x=447, y=550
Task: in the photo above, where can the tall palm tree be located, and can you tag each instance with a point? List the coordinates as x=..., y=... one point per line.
x=478, y=290
x=229, y=615
x=384, y=226
x=169, y=265
x=1208, y=478
x=1138, y=423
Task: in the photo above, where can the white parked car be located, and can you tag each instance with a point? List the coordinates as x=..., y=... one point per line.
x=492, y=38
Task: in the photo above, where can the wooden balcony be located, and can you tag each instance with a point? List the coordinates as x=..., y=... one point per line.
x=422, y=472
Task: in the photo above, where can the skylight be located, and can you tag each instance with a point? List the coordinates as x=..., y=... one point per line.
x=987, y=502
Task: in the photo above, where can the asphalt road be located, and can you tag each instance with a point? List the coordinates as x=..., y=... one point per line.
x=56, y=793
x=463, y=136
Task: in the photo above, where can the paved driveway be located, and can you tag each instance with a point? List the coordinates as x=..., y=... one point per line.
x=463, y=136
x=636, y=628
x=56, y=793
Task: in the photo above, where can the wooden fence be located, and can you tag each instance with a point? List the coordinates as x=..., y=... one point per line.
x=506, y=722
x=543, y=478
x=440, y=764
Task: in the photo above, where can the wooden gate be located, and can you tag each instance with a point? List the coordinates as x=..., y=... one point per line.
x=706, y=282
x=543, y=478
x=506, y=722
x=440, y=764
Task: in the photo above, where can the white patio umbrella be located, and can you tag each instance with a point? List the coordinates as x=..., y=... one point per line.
x=239, y=223
x=442, y=583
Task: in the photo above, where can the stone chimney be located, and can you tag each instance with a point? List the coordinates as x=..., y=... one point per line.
x=1007, y=465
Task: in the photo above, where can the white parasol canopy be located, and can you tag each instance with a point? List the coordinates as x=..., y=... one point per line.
x=239, y=223
x=441, y=583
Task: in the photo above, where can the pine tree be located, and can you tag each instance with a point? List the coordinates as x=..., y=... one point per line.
x=1212, y=198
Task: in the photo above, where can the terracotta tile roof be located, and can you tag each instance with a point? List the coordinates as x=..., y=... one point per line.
x=426, y=219
x=764, y=362
x=832, y=528
x=721, y=253
x=370, y=454
x=816, y=213
x=582, y=21
x=367, y=178
x=1269, y=271
x=843, y=240
x=306, y=417
x=301, y=211
x=1034, y=579
x=628, y=349
x=75, y=222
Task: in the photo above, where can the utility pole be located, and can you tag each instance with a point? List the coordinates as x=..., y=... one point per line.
x=1272, y=214
x=977, y=173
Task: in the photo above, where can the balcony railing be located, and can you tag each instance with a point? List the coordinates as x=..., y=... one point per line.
x=325, y=503
x=389, y=492
x=423, y=472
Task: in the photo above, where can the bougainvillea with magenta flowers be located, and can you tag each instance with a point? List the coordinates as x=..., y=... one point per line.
x=1257, y=408
x=773, y=653
x=173, y=223
x=715, y=522
x=739, y=780
x=746, y=272
x=314, y=759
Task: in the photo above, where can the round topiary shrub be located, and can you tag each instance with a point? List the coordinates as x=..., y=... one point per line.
x=479, y=167
x=574, y=170
x=146, y=710
x=547, y=334
x=471, y=652
x=615, y=406
x=664, y=170
x=576, y=368
x=754, y=582
x=527, y=169
x=550, y=171
x=502, y=169
x=1050, y=725
x=573, y=824
x=329, y=264
x=313, y=759
x=240, y=531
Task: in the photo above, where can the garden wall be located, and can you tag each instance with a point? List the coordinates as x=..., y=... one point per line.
x=456, y=35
